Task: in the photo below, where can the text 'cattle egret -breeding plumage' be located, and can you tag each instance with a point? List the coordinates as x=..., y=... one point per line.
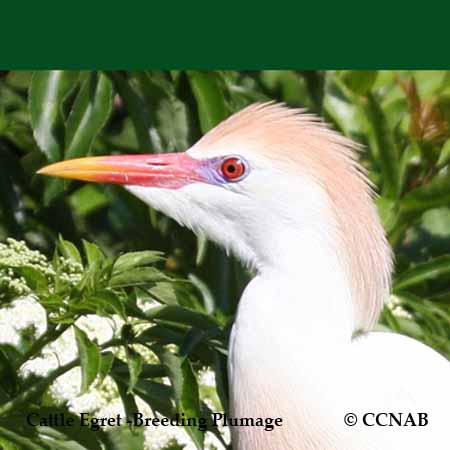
x=285, y=193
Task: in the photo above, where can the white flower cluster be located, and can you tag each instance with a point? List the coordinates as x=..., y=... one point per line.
x=70, y=271
x=15, y=254
x=395, y=305
x=101, y=400
x=23, y=313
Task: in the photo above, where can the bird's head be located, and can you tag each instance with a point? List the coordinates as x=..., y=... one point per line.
x=256, y=184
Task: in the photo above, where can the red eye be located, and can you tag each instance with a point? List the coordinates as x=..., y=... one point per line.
x=233, y=168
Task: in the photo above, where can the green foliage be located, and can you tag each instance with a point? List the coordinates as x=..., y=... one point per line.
x=110, y=286
x=401, y=119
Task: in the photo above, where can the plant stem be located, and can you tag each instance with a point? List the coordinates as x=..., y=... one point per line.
x=21, y=441
x=41, y=385
x=35, y=390
x=50, y=335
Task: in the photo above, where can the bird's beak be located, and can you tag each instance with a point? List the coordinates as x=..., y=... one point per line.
x=167, y=170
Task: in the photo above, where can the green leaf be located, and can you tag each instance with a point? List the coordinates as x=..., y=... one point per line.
x=63, y=437
x=202, y=246
x=168, y=113
x=16, y=441
x=172, y=124
x=89, y=357
x=221, y=375
x=164, y=292
x=383, y=146
x=8, y=445
x=94, y=255
x=139, y=276
x=208, y=298
x=388, y=211
x=410, y=327
x=432, y=195
x=208, y=414
x=429, y=321
x=185, y=388
x=436, y=222
x=37, y=282
x=60, y=439
x=128, y=400
x=134, y=361
x=226, y=281
x=430, y=270
x=444, y=156
x=48, y=90
x=430, y=82
x=68, y=250
x=148, y=370
x=341, y=106
x=209, y=97
x=10, y=170
x=293, y=87
x=106, y=362
x=138, y=111
x=157, y=395
x=88, y=199
x=441, y=298
x=178, y=314
x=192, y=339
x=391, y=320
x=135, y=259
x=162, y=335
x=124, y=438
x=153, y=371
x=52, y=302
x=54, y=187
x=175, y=292
x=108, y=302
x=89, y=114
x=8, y=376
x=359, y=81
x=411, y=157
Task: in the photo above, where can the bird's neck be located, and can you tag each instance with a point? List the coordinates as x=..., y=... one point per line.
x=302, y=283
x=291, y=334
x=296, y=311
x=291, y=345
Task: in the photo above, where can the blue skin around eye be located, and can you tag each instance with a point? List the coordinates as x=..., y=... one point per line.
x=211, y=170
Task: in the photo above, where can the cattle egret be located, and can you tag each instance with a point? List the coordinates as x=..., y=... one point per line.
x=284, y=192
